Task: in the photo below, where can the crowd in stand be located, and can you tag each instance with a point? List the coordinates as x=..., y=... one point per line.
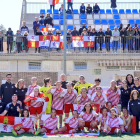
x=17, y=100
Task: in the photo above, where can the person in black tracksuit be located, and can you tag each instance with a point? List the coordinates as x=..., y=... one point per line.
x=108, y=35
x=137, y=85
x=123, y=35
x=130, y=80
x=134, y=107
x=63, y=81
x=2, y=106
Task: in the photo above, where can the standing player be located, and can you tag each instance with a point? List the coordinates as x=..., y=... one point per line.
x=137, y=84
x=69, y=96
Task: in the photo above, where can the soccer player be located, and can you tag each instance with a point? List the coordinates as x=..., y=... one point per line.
x=69, y=95
x=113, y=93
x=50, y=124
x=89, y=116
x=57, y=102
x=137, y=84
x=25, y=127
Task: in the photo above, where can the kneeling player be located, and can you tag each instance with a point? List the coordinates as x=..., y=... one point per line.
x=25, y=127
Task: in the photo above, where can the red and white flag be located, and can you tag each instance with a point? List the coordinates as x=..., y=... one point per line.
x=77, y=41
x=70, y=1
x=56, y=42
x=53, y=2
x=45, y=30
x=44, y=40
x=88, y=41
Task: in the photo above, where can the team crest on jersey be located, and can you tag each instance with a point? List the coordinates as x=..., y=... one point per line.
x=11, y=107
x=12, y=87
x=22, y=90
x=138, y=103
x=6, y=87
x=132, y=104
x=16, y=91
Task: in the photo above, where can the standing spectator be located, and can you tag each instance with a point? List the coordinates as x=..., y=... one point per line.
x=137, y=39
x=115, y=35
x=18, y=41
x=94, y=33
x=120, y=27
x=100, y=38
x=25, y=41
x=35, y=24
x=130, y=34
x=61, y=9
x=96, y=9
x=136, y=26
x=7, y=90
x=50, y=34
x=128, y=25
x=63, y=81
x=52, y=6
x=48, y=20
x=1, y=42
x=58, y=34
x=81, y=29
x=70, y=4
x=123, y=35
x=108, y=35
x=20, y=91
x=24, y=28
x=89, y=30
x=113, y=4
x=9, y=35
x=69, y=39
x=130, y=80
x=89, y=9
x=75, y=32
x=82, y=9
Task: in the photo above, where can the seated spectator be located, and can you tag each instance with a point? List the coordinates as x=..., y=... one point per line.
x=70, y=4
x=41, y=19
x=136, y=26
x=58, y=34
x=128, y=25
x=100, y=38
x=48, y=20
x=96, y=9
x=120, y=27
x=49, y=32
x=1, y=42
x=89, y=9
x=82, y=9
x=35, y=24
x=116, y=37
x=94, y=33
x=108, y=35
x=25, y=41
x=113, y=4
x=13, y=108
x=137, y=40
x=18, y=41
x=81, y=29
x=75, y=32
x=61, y=9
x=24, y=28
x=123, y=35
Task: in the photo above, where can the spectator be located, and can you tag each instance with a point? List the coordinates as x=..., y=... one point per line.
x=5, y=95
x=82, y=9
x=89, y=30
x=18, y=41
x=108, y=35
x=70, y=4
x=13, y=108
x=81, y=29
x=120, y=27
x=89, y=9
x=123, y=35
x=49, y=33
x=38, y=33
x=52, y=6
x=41, y=19
x=61, y=9
x=69, y=39
x=130, y=80
x=96, y=9
x=1, y=42
x=130, y=34
x=94, y=33
x=24, y=28
x=35, y=24
x=75, y=32
x=113, y=4
x=128, y=25
x=134, y=107
x=136, y=26
x=137, y=39
x=58, y=34
x=25, y=41
x=116, y=37
x=9, y=35
x=100, y=38
x=48, y=20
x=20, y=91
x=63, y=81
x=137, y=84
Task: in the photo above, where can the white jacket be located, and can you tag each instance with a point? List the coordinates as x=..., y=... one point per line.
x=116, y=33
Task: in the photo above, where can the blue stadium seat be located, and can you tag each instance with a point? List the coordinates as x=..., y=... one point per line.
x=108, y=11
x=139, y=26
x=132, y=25
x=128, y=11
x=61, y=16
x=55, y=16
x=111, y=21
x=61, y=22
x=116, y=17
x=75, y=11
x=42, y=47
x=117, y=22
x=42, y=11
x=82, y=16
x=69, y=17
x=56, y=27
x=83, y=21
x=49, y=11
x=102, y=11
x=54, y=32
x=97, y=22
x=135, y=11
x=62, y=32
x=139, y=10
x=118, y=26
x=112, y=27
x=138, y=21
x=115, y=11
x=121, y=11
x=70, y=27
x=41, y=26
x=104, y=22
x=55, y=11
x=131, y=21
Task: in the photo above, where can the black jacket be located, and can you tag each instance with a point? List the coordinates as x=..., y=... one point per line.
x=89, y=11
x=81, y=29
x=113, y=4
x=108, y=33
x=38, y=33
x=75, y=33
x=48, y=20
x=96, y=8
x=123, y=33
x=100, y=38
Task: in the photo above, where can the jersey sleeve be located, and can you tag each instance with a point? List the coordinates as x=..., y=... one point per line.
x=89, y=92
x=119, y=92
x=68, y=119
x=7, y=107
x=52, y=91
x=104, y=97
x=78, y=99
x=99, y=117
x=89, y=96
x=92, y=97
x=93, y=112
x=81, y=114
x=65, y=91
x=120, y=121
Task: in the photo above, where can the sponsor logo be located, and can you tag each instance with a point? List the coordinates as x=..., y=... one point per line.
x=132, y=104
x=6, y=87
x=5, y=121
x=22, y=90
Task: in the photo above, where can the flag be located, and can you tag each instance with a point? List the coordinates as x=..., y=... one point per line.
x=53, y=2
x=33, y=41
x=44, y=40
x=79, y=108
x=96, y=108
x=77, y=41
x=61, y=45
x=45, y=30
x=88, y=41
x=70, y=1
x=55, y=41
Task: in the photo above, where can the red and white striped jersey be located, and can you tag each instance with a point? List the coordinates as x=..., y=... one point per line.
x=91, y=91
x=31, y=88
x=57, y=103
x=73, y=123
x=83, y=100
x=28, y=123
x=69, y=97
x=114, y=122
x=37, y=103
x=103, y=117
x=113, y=96
x=51, y=123
x=88, y=117
x=99, y=99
